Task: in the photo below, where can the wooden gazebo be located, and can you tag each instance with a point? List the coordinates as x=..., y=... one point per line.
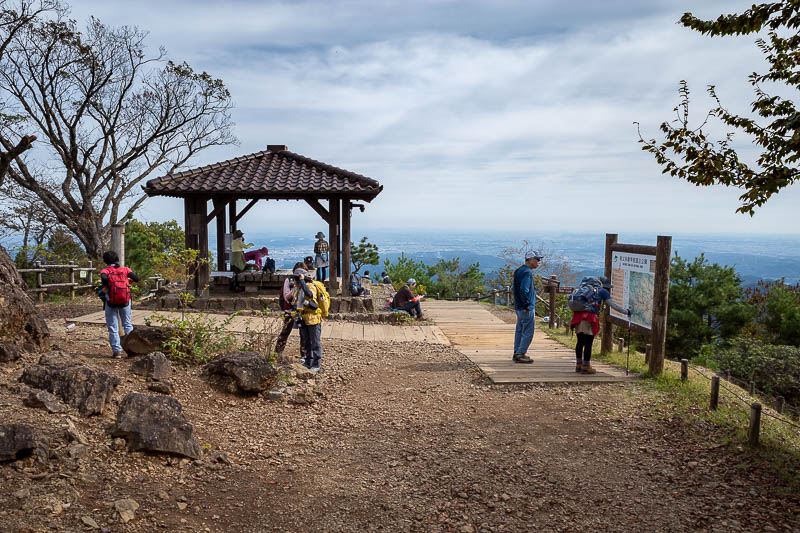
x=274, y=174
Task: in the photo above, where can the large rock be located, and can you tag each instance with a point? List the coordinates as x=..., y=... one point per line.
x=17, y=441
x=249, y=372
x=153, y=365
x=44, y=400
x=19, y=319
x=9, y=352
x=86, y=388
x=144, y=340
x=155, y=423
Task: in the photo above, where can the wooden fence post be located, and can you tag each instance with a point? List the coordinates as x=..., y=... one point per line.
x=752, y=388
x=39, y=281
x=779, y=401
x=494, y=298
x=647, y=354
x=620, y=345
x=72, y=280
x=90, y=274
x=660, y=304
x=714, y=393
x=755, y=424
x=684, y=369
x=553, y=284
x=508, y=295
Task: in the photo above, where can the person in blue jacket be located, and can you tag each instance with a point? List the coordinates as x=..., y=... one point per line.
x=524, y=306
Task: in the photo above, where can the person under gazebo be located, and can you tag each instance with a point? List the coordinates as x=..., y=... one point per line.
x=238, y=247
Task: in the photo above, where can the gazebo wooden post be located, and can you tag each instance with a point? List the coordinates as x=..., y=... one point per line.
x=196, y=211
x=334, y=210
x=221, y=227
x=346, y=212
x=232, y=214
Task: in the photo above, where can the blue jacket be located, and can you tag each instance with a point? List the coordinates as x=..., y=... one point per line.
x=524, y=297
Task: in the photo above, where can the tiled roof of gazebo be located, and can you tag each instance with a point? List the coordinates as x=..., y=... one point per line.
x=273, y=173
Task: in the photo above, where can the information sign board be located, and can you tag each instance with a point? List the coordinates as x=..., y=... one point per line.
x=633, y=282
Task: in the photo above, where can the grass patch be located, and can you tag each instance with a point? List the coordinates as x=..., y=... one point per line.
x=779, y=449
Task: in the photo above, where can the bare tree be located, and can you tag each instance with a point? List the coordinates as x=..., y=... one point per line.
x=23, y=214
x=109, y=116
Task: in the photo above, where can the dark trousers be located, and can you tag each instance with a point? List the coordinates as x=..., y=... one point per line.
x=311, y=341
x=583, y=349
x=283, y=336
x=235, y=278
x=321, y=273
x=413, y=307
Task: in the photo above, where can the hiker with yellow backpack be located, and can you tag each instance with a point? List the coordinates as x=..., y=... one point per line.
x=312, y=302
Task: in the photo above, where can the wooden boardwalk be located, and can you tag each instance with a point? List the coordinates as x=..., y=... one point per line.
x=488, y=341
x=330, y=329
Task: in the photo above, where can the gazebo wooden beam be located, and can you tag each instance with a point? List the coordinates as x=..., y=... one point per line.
x=219, y=211
x=333, y=244
x=219, y=207
x=247, y=208
x=346, y=211
x=321, y=211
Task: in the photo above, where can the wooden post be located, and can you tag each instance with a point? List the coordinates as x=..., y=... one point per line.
x=72, y=280
x=714, y=402
x=620, y=345
x=647, y=354
x=196, y=210
x=606, y=340
x=221, y=227
x=494, y=298
x=755, y=424
x=334, y=205
x=90, y=273
x=347, y=212
x=658, y=336
x=779, y=402
x=39, y=280
x=684, y=369
x=232, y=215
x=508, y=296
x=752, y=388
x=118, y=241
x=457, y=296
x=553, y=284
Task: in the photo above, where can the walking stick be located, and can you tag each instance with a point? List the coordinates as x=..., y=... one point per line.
x=628, y=359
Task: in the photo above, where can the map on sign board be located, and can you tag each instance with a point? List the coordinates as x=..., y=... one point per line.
x=633, y=281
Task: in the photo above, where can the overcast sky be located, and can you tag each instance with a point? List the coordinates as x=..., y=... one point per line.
x=473, y=115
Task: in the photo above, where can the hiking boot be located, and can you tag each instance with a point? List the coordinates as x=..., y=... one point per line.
x=116, y=355
x=315, y=368
x=588, y=369
x=521, y=358
x=578, y=366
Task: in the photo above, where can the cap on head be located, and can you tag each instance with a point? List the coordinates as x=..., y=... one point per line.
x=605, y=281
x=298, y=271
x=533, y=254
x=238, y=233
x=264, y=250
x=411, y=281
x=320, y=235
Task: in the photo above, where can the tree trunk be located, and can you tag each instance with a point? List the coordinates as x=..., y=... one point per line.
x=20, y=322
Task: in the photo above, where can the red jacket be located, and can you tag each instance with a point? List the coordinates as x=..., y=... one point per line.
x=587, y=316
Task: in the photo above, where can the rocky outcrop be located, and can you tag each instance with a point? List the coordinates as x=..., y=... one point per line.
x=44, y=400
x=144, y=340
x=86, y=388
x=153, y=365
x=155, y=423
x=18, y=441
x=9, y=352
x=20, y=322
x=245, y=372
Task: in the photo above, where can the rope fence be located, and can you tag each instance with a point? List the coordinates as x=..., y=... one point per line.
x=718, y=382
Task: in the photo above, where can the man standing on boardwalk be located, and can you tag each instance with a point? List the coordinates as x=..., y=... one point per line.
x=524, y=305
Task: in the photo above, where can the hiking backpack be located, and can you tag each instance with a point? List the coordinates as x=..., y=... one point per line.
x=323, y=299
x=283, y=296
x=269, y=265
x=119, y=292
x=580, y=300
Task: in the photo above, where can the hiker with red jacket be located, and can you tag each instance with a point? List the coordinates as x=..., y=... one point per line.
x=585, y=303
x=116, y=296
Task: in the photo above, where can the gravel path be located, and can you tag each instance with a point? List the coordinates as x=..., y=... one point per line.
x=401, y=437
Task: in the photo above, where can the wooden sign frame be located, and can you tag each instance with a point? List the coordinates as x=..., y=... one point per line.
x=658, y=330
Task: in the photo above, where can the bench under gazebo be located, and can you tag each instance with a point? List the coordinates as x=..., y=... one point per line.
x=274, y=174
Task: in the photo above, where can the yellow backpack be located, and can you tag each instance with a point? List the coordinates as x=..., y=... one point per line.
x=323, y=299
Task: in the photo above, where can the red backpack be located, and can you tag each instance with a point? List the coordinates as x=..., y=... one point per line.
x=119, y=293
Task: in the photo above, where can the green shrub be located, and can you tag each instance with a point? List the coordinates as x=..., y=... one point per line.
x=774, y=369
x=195, y=338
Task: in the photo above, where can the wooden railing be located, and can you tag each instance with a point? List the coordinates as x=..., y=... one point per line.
x=40, y=287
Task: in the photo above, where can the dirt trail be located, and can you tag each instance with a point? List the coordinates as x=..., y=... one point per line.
x=407, y=437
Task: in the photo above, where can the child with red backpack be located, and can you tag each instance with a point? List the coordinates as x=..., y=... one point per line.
x=116, y=295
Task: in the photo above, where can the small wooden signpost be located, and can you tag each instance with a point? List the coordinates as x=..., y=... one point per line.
x=641, y=261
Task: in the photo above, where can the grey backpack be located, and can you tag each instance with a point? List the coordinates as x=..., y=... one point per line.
x=580, y=299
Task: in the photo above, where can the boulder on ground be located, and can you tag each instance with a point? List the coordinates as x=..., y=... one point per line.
x=44, y=400
x=9, y=352
x=161, y=387
x=153, y=365
x=86, y=388
x=248, y=371
x=19, y=318
x=155, y=423
x=144, y=340
x=17, y=441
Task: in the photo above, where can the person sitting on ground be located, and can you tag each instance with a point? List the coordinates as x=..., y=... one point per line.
x=238, y=247
x=355, y=285
x=116, y=296
x=257, y=256
x=385, y=278
x=406, y=301
x=586, y=325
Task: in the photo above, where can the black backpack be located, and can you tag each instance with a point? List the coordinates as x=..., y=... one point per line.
x=269, y=265
x=581, y=298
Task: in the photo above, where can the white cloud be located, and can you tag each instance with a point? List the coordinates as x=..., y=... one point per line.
x=476, y=115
